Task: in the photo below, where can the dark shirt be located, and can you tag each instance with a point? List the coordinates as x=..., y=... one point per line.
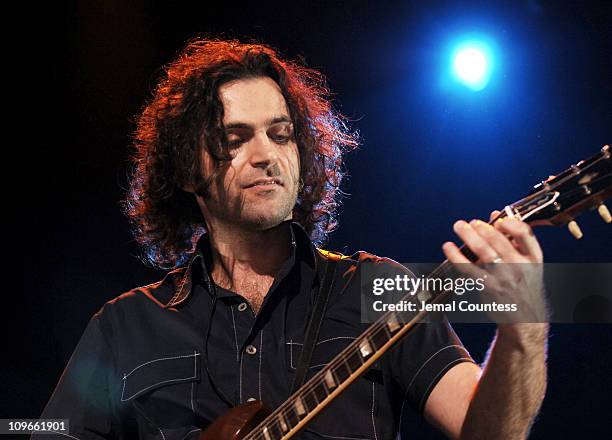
x=139, y=368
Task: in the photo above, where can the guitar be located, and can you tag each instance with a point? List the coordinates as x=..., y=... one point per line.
x=553, y=202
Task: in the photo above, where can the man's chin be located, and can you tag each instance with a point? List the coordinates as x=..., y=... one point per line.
x=264, y=221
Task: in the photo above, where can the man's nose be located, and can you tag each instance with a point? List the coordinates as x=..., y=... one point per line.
x=263, y=151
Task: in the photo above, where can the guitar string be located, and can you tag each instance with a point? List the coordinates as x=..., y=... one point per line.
x=381, y=324
x=604, y=155
x=573, y=191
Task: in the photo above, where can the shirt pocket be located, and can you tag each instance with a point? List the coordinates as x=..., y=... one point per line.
x=163, y=391
x=324, y=351
x=351, y=415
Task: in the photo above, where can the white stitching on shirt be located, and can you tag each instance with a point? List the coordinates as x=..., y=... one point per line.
x=291, y=343
x=425, y=363
x=123, y=399
x=434, y=380
x=373, y=402
x=235, y=334
x=193, y=430
x=240, y=382
x=195, y=373
x=57, y=432
x=401, y=412
x=195, y=353
x=320, y=342
x=192, y=408
x=315, y=366
x=162, y=433
x=260, y=352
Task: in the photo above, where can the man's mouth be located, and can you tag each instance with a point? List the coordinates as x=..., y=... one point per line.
x=264, y=182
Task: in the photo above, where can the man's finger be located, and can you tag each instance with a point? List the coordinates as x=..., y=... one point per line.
x=460, y=263
x=497, y=240
x=475, y=242
x=453, y=253
x=523, y=236
x=462, y=267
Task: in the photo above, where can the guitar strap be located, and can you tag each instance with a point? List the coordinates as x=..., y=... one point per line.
x=315, y=322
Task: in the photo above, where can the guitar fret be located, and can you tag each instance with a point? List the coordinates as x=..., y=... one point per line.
x=393, y=323
x=266, y=433
x=282, y=423
x=291, y=416
x=342, y=371
x=275, y=430
x=324, y=387
x=320, y=392
x=300, y=409
x=310, y=401
x=388, y=334
x=330, y=381
x=365, y=348
x=399, y=316
x=379, y=338
x=425, y=295
x=353, y=361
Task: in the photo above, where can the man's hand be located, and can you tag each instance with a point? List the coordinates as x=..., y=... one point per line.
x=510, y=261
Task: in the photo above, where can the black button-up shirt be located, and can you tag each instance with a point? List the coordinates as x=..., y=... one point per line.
x=164, y=360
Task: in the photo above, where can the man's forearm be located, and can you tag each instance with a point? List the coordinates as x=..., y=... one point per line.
x=512, y=386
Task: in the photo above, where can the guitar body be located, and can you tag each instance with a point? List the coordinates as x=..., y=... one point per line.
x=236, y=423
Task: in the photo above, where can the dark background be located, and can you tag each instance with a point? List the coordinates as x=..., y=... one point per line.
x=430, y=154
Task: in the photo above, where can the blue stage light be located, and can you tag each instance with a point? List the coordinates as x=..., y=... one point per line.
x=472, y=63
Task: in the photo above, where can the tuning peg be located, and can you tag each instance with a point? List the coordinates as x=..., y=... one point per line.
x=604, y=213
x=575, y=230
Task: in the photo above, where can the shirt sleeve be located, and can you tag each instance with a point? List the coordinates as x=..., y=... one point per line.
x=423, y=356
x=84, y=392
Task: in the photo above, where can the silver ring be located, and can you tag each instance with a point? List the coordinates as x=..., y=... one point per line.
x=497, y=260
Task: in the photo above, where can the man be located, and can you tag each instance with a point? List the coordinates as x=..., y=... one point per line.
x=245, y=146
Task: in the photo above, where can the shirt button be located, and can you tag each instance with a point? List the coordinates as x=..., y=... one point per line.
x=242, y=307
x=251, y=399
x=251, y=349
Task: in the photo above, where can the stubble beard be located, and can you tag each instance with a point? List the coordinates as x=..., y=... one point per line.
x=255, y=214
x=261, y=216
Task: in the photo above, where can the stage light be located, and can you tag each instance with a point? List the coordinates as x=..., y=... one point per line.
x=472, y=63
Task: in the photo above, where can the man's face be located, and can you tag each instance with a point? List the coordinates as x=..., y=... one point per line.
x=259, y=188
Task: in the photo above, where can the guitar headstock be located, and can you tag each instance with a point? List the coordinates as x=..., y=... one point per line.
x=559, y=199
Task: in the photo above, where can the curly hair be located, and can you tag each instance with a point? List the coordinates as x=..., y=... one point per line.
x=185, y=115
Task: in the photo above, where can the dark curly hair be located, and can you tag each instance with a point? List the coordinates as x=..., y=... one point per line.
x=185, y=115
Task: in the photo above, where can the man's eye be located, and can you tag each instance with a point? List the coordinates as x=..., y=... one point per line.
x=281, y=139
x=281, y=134
x=234, y=143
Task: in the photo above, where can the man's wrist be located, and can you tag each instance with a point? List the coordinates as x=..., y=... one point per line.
x=523, y=336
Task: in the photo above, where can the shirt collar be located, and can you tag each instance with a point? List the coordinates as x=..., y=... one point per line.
x=198, y=267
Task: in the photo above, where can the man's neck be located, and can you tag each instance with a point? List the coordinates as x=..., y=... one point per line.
x=247, y=261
